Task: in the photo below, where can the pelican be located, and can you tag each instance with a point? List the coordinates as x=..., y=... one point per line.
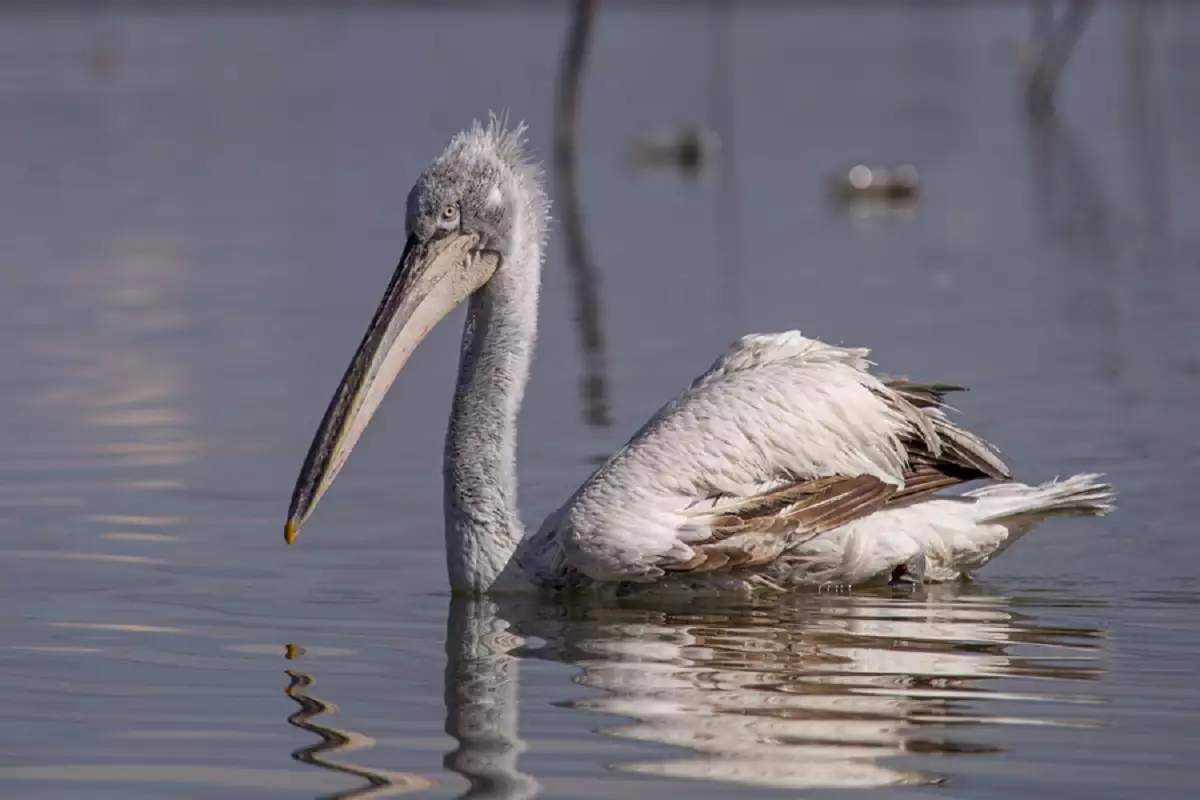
x=787, y=464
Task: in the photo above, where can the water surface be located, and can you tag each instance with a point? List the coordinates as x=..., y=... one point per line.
x=200, y=211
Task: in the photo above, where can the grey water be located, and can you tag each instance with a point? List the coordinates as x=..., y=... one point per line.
x=199, y=209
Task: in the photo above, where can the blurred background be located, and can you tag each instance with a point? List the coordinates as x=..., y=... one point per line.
x=201, y=203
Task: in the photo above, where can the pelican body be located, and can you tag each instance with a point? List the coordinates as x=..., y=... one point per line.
x=786, y=464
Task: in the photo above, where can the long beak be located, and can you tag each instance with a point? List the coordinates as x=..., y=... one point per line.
x=433, y=277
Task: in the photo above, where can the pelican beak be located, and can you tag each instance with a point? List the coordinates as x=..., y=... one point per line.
x=433, y=277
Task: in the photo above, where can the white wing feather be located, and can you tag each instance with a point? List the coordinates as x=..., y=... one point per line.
x=773, y=409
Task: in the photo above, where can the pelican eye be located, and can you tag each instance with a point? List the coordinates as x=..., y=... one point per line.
x=450, y=213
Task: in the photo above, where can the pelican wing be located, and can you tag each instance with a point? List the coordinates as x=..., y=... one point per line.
x=751, y=531
x=783, y=439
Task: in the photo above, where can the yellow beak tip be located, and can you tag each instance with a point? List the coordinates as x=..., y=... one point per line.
x=290, y=531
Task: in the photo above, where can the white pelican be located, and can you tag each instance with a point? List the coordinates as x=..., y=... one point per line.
x=785, y=464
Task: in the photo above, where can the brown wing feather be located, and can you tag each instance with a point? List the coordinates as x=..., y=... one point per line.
x=941, y=444
x=755, y=530
x=922, y=395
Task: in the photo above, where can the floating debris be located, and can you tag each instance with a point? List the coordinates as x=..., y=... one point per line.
x=877, y=185
x=689, y=150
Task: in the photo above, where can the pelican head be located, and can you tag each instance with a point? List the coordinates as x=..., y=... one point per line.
x=462, y=217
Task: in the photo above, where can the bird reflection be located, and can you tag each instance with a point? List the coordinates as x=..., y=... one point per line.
x=380, y=783
x=815, y=691
x=481, y=701
x=580, y=269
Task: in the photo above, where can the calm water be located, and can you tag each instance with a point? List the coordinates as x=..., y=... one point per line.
x=199, y=212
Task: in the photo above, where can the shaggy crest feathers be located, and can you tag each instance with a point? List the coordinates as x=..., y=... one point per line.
x=509, y=143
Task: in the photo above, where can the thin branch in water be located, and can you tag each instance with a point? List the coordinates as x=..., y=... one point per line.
x=580, y=269
x=1056, y=39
